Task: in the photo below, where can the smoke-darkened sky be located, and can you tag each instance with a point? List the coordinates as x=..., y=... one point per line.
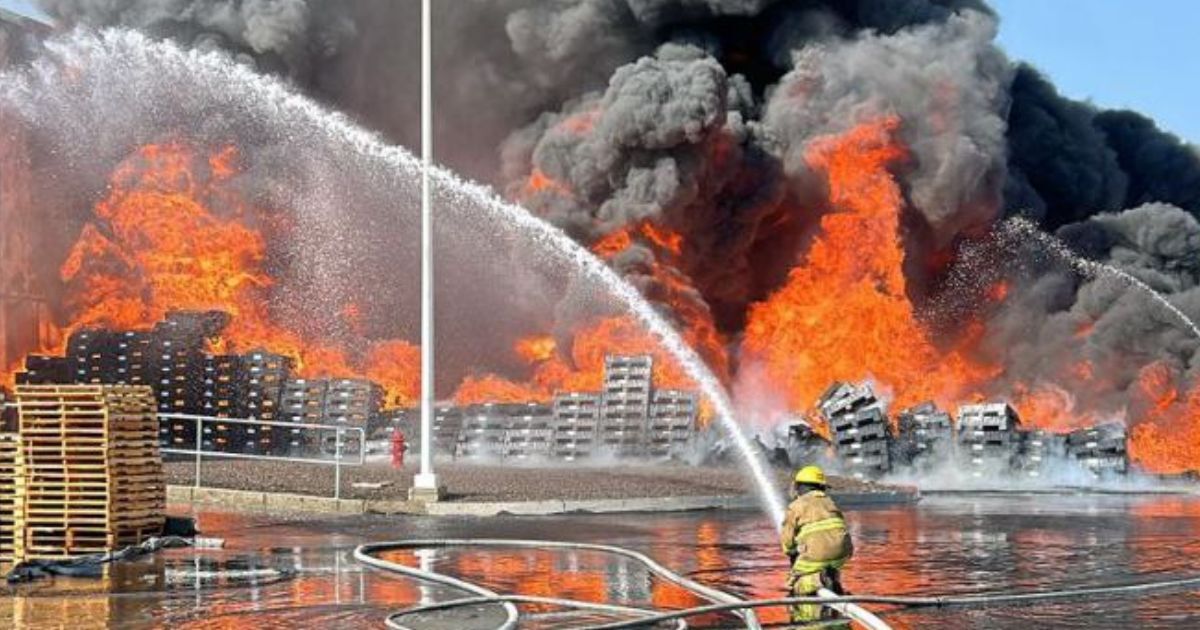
x=1098, y=50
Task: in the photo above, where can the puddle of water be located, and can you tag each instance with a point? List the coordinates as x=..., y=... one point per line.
x=298, y=572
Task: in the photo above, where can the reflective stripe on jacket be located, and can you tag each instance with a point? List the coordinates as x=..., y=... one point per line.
x=815, y=534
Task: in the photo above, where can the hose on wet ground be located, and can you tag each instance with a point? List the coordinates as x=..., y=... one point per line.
x=980, y=600
x=722, y=602
x=366, y=555
x=91, y=565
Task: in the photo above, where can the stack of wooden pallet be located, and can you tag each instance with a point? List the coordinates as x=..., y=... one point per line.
x=92, y=477
x=9, y=472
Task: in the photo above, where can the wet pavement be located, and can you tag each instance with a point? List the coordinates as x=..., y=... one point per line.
x=297, y=571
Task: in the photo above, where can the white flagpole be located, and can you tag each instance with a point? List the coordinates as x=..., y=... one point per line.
x=425, y=483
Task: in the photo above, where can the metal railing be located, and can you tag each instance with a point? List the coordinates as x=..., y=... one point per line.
x=199, y=452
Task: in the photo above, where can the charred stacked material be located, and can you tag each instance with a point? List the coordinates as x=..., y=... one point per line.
x=172, y=359
x=448, y=422
x=517, y=430
x=9, y=473
x=861, y=436
x=224, y=384
x=8, y=413
x=802, y=443
x=266, y=374
x=925, y=435
x=91, y=474
x=531, y=435
x=628, y=418
x=989, y=436
x=672, y=422
x=1101, y=449
x=1038, y=449
x=303, y=403
x=45, y=370
x=576, y=420
x=625, y=404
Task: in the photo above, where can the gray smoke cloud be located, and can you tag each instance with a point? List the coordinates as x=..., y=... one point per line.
x=1092, y=336
x=946, y=82
x=669, y=140
x=289, y=36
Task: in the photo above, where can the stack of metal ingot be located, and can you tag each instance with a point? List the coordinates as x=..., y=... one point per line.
x=859, y=427
x=91, y=474
x=46, y=370
x=989, y=435
x=135, y=355
x=177, y=360
x=576, y=420
x=531, y=434
x=9, y=473
x=924, y=435
x=353, y=402
x=223, y=381
x=1101, y=449
x=222, y=386
x=266, y=375
x=483, y=431
x=1038, y=449
x=672, y=422
x=627, y=419
x=447, y=427
x=88, y=350
x=303, y=402
x=625, y=404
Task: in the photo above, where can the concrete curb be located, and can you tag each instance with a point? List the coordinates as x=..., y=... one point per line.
x=263, y=501
x=281, y=502
x=593, y=506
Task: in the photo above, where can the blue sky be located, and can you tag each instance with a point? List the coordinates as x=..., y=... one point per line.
x=25, y=7
x=1116, y=53
x=1142, y=55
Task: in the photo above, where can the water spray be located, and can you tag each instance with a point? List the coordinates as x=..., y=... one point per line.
x=261, y=98
x=1019, y=226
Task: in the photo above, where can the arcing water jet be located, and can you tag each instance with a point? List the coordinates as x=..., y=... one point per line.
x=121, y=63
x=1018, y=226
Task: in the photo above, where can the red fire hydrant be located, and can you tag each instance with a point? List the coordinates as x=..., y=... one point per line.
x=397, y=448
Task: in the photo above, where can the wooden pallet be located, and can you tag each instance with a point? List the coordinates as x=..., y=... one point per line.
x=92, y=477
x=10, y=474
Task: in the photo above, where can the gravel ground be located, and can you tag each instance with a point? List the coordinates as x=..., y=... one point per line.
x=481, y=482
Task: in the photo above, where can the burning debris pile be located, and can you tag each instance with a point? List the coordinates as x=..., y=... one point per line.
x=990, y=436
x=923, y=432
x=628, y=418
x=986, y=441
x=814, y=191
x=861, y=435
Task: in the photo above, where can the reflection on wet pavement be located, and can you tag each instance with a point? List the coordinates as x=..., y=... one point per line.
x=298, y=571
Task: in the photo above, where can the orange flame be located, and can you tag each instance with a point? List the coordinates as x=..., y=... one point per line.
x=539, y=181
x=1165, y=437
x=172, y=235
x=673, y=288
x=537, y=348
x=844, y=313
x=580, y=370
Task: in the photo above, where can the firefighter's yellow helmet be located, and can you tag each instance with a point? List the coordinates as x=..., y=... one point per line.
x=811, y=474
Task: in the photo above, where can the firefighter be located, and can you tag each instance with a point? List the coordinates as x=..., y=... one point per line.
x=816, y=541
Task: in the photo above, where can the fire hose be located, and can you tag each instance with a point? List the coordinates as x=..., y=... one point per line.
x=722, y=602
x=726, y=602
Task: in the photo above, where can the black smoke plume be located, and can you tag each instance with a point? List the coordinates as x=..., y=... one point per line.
x=694, y=114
